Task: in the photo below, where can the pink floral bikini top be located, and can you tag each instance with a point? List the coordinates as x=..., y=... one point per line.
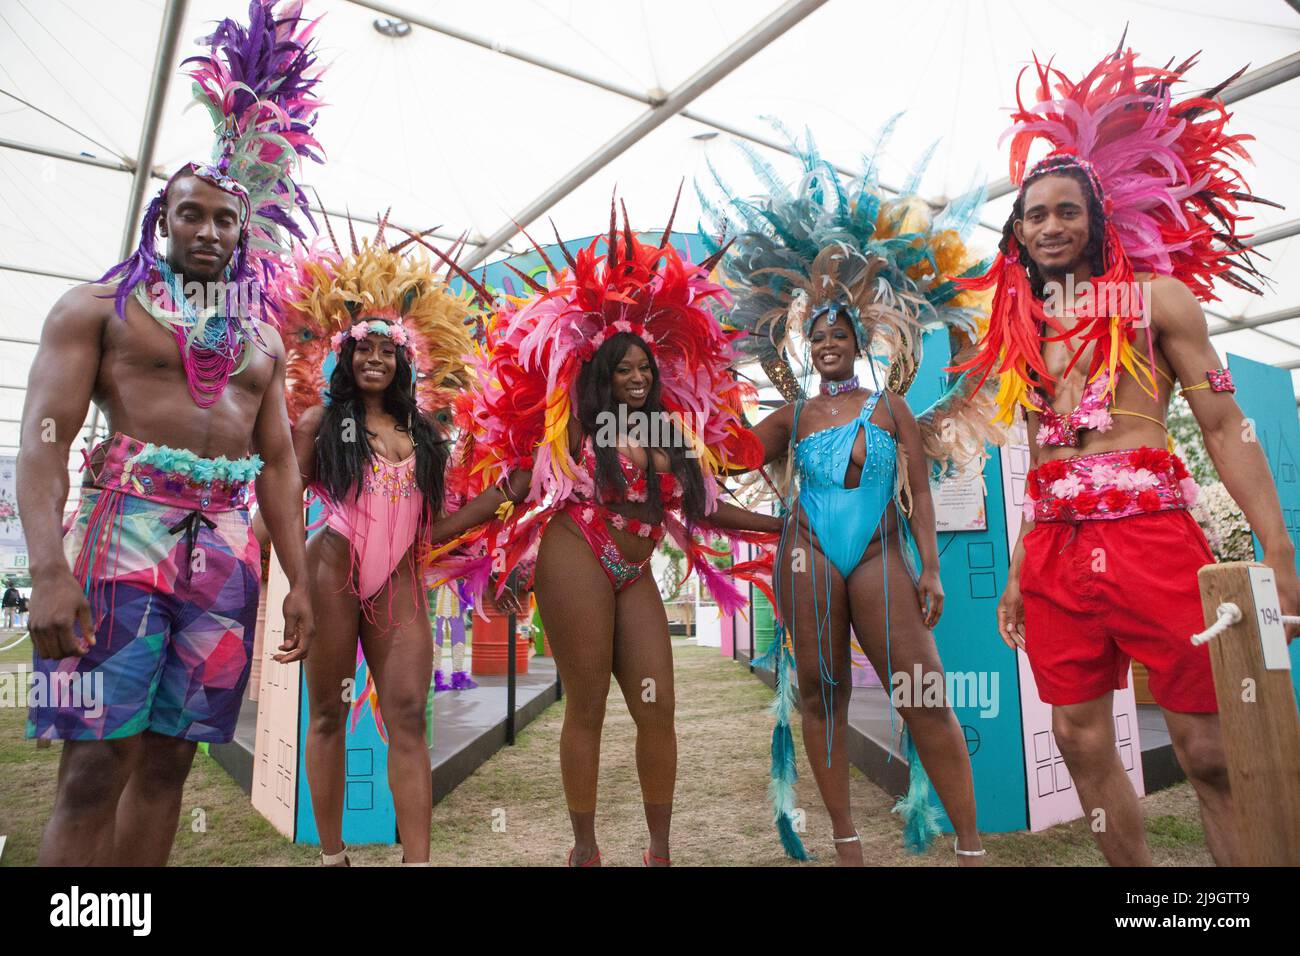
x=1062, y=431
x=1095, y=408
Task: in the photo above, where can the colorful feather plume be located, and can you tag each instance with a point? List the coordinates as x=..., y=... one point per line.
x=527, y=368
x=258, y=84
x=1165, y=174
x=887, y=263
x=327, y=290
x=917, y=807
x=780, y=790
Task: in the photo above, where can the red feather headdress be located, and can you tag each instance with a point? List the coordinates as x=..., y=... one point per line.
x=1162, y=171
x=527, y=371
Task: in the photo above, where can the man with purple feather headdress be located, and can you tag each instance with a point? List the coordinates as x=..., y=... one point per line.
x=146, y=606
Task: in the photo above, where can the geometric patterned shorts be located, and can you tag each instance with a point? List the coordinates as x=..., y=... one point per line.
x=174, y=600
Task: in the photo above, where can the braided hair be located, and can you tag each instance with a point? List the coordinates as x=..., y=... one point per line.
x=1095, y=250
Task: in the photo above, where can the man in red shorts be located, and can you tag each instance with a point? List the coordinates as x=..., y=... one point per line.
x=1095, y=321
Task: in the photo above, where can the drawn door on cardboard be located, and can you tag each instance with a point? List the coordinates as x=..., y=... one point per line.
x=275, y=757
x=1051, y=793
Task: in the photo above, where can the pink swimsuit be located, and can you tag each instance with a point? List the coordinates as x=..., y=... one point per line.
x=381, y=525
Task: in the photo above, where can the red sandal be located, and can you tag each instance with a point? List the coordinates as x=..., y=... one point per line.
x=647, y=856
x=592, y=862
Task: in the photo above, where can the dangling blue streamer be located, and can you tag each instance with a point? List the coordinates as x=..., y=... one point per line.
x=780, y=790
x=784, y=771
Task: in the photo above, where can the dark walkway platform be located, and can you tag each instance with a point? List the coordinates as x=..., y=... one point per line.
x=468, y=726
x=871, y=743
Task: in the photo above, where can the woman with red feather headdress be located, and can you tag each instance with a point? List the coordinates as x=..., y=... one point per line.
x=604, y=416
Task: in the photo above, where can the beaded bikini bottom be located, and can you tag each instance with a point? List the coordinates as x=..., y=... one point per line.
x=590, y=519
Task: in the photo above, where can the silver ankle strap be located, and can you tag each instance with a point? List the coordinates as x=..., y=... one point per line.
x=959, y=852
x=853, y=839
x=334, y=859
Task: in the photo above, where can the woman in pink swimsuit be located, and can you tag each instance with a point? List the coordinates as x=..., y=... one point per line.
x=372, y=454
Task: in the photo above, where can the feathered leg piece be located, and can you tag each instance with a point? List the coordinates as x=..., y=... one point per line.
x=920, y=815
x=784, y=772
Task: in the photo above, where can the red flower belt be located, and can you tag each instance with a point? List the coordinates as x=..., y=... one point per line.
x=1110, y=484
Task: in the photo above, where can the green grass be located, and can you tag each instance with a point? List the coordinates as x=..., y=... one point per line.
x=22, y=654
x=720, y=815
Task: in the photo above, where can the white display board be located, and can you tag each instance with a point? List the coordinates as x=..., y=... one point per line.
x=275, y=757
x=959, y=505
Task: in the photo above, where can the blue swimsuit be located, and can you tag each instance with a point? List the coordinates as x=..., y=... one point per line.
x=845, y=519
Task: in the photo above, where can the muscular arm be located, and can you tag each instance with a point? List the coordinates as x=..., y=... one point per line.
x=1011, y=614
x=304, y=450
x=1184, y=339
x=279, y=498
x=304, y=442
x=58, y=396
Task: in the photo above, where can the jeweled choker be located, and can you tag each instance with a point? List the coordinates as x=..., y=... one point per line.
x=839, y=388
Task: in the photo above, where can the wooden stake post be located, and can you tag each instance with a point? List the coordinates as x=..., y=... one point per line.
x=1257, y=711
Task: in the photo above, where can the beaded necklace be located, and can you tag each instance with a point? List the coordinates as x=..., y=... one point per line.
x=212, y=345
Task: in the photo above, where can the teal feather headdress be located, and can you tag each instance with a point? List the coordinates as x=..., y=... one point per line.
x=831, y=244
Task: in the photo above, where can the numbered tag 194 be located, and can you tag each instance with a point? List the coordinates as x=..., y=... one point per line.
x=1272, y=635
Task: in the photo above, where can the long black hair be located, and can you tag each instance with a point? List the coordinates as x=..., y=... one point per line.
x=1095, y=250
x=341, y=465
x=595, y=395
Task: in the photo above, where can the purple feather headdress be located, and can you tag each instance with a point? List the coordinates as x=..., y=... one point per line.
x=258, y=83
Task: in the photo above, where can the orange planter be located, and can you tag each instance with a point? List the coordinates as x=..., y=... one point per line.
x=490, y=653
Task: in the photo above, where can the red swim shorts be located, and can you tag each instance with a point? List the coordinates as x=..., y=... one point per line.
x=1097, y=593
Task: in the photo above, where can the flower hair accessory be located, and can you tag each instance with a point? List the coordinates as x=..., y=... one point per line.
x=333, y=294
x=622, y=325
x=395, y=330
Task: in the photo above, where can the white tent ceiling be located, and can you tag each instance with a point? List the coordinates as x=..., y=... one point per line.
x=458, y=123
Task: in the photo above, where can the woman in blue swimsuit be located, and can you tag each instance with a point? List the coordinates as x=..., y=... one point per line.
x=848, y=558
